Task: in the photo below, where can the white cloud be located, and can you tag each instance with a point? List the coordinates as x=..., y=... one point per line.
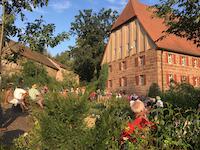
x=60, y=5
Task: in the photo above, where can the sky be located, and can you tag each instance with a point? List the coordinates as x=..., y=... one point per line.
x=62, y=12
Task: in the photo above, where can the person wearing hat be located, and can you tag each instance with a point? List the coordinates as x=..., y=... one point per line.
x=140, y=123
x=36, y=96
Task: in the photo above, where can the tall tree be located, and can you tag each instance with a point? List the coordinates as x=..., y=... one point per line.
x=11, y=9
x=39, y=36
x=65, y=58
x=182, y=18
x=92, y=31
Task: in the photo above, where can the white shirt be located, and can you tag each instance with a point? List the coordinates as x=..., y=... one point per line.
x=18, y=93
x=159, y=103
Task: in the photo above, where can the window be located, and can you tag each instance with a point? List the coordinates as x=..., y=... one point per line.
x=120, y=82
x=124, y=66
x=170, y=59
x=184, y=79
x=110, y=68
x=124, y=81
x=142, y=80
x=110, y=83
x=171, y=77
x=141, y=60
x=120, y=66
x=183, y=60
x=195, y=63
x=195, y=81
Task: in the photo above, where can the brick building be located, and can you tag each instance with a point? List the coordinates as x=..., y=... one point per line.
x=136, y=57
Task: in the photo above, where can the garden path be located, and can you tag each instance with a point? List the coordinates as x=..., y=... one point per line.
x=16, y=122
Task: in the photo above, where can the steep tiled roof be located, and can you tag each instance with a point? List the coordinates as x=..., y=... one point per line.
x=154, y=28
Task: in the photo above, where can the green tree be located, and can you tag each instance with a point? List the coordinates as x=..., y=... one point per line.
x=65, y=58
x=11, y=9
x=92, y=31
x=182, y=18
x=39, y=36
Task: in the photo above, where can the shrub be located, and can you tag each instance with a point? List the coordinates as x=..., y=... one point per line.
x=112, y=121
x=34, y=73
x=61, y=126
x=183, y=95
x=154, y=90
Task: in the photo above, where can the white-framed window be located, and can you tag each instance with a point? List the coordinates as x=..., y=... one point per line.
x=195, y=63
x=170, y=58
x=195, y=81
x=171, y=77
x=142, y=60
x=183, y=78
x=183, y=60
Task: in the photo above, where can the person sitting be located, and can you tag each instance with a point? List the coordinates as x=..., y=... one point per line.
x=8, y=94
x=36, y=96
x=19, y=98
x=139, y=124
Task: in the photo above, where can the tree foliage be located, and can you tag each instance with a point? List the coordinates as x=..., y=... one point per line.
x=39, y=36
x=182, y=18
x=65, y=58
x=14, y=8
x=92, y=31
x=154, y=90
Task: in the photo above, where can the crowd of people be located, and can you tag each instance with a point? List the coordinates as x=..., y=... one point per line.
x=139, y=105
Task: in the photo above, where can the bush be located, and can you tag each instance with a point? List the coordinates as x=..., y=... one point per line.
x=34, y=73
x=154, y=90
x=176, y=129
x=183, y=95
x=61, y=126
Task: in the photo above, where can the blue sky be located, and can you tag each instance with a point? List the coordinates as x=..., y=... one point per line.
x=62, y=12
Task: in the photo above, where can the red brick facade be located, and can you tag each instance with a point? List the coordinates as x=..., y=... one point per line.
x=137, y=78
x=136, y=59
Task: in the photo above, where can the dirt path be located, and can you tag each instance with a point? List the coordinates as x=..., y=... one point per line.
x=17, y=123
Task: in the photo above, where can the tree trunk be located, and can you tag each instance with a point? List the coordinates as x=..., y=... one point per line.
x=2, y=39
